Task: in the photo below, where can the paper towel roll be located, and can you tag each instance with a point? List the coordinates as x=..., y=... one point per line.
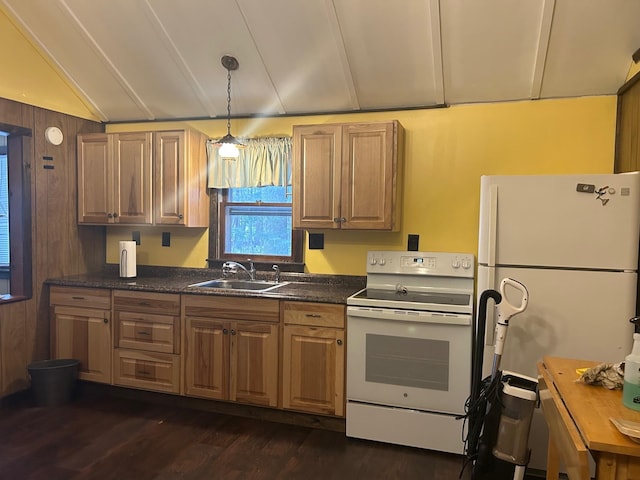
x=127, y=258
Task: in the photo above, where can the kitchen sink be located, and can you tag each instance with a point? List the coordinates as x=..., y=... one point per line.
x=232, y=284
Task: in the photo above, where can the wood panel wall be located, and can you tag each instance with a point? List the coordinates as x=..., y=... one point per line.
x=628, y=127
x=59, y=246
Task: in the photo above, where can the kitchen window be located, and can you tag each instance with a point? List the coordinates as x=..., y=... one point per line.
x=256, y=223
x=253, y=213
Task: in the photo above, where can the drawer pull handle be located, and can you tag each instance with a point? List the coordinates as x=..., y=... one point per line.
x=314, y=315
x=142, y=333
x=144, y=304
x=77, y=298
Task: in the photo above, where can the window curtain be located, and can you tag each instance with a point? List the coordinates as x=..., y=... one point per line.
x=264, y=162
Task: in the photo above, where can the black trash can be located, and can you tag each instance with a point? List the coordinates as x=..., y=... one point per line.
x=53, y=382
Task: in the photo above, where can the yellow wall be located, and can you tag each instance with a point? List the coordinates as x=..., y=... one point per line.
x=446, y=152
x=27, y=77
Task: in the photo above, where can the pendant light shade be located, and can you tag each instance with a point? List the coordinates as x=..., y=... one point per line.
x=228, y=145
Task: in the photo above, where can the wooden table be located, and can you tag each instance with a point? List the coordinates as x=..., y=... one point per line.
x=578, y=418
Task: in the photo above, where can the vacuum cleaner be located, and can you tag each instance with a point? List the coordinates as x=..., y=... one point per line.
x=499, y=411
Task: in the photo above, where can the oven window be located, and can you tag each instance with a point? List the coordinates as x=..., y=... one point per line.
x=409, y=362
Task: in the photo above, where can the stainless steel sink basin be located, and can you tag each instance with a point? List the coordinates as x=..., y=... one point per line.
x=233, y=284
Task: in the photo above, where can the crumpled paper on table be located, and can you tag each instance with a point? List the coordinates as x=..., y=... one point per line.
x=609, y=375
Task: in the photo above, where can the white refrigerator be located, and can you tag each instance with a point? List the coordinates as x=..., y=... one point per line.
x=573, y=241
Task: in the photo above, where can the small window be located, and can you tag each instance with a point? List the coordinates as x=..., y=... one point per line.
x=15, y=213
x=256, y=223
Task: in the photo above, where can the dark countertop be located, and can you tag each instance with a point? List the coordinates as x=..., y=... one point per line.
x=300, y=286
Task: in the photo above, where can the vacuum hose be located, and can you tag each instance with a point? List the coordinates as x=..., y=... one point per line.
x=478, y=406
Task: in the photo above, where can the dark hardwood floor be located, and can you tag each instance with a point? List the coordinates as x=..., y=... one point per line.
x=105, y=436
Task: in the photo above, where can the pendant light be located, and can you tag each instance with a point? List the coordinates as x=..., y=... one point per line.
x=228, y=145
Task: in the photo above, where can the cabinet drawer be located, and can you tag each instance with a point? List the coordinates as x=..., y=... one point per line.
x=150, y=371
x=81, y=297
x=147, y=302
x=315, y=314
x=236, y=308
x=145, y=331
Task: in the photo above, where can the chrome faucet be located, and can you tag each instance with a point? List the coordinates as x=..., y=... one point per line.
x=277, y=270
x=232, y=267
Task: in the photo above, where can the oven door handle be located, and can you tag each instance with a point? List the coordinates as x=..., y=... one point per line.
x=400, y=315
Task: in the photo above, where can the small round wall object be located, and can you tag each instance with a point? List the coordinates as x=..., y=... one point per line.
x=53, y=135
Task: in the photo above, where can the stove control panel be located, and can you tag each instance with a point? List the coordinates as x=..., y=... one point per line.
x=421, y=263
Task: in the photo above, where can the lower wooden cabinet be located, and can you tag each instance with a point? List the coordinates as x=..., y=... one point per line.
x=81, y=329
x=146, y=370
x=313, y=358
x=147, y=340
x=231, y=359
x=258, y=351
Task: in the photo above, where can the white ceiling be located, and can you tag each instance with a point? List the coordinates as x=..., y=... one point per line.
x=160, y=59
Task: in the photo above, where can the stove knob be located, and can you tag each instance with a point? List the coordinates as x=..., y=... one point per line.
x=382, y=261
x=372, y=261
x=455, y=263
x=466, y=264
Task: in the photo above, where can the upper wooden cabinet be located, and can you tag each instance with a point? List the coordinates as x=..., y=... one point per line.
x=114, y=178
x=180, y=172
x=347, y=176
x=143, y=178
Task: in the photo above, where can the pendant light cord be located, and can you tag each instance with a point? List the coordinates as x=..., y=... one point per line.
x=228, y=102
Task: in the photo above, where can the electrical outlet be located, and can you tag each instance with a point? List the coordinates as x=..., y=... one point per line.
x=166, y=239
x=316, y=241
x=412, y=242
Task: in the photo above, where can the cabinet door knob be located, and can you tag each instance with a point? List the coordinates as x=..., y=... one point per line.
x=339, y=341
x=180, y=216
x=336, y=220
x=233, y=332
x=105, y=320
x=225, y=331
x=115, y=214
x=109, y=215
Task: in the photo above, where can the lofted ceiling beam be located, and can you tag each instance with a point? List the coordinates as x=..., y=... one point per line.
x=84, y=96
x=546, y=22
x=129, y=90
x=436, y=41
x=342, y=52
x=179, y=60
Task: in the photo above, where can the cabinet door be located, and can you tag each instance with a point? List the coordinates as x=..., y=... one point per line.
x=170, y=192
x=313, y=369
x=254, y=363
x=316, y=176
x=95, y=179
x=206, y=354
x=84, y=334
x=368, y=176
x=132, y=178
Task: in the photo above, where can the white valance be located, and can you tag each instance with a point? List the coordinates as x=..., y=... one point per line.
x=265, y=161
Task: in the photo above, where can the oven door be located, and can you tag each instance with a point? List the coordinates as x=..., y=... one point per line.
x=411, y=359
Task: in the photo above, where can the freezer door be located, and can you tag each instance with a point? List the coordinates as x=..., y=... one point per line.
x=576, y=314
x=560, y=221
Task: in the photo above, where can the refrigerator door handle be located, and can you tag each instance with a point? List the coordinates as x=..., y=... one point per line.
x=490, y=329
x=493, y=226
